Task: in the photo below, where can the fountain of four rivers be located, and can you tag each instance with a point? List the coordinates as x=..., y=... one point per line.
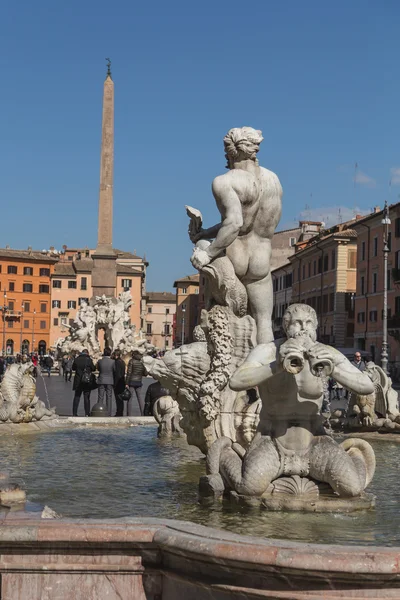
x=283, y=511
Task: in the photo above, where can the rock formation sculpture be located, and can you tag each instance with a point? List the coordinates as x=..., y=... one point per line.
x=18, y=400
x=110, y=315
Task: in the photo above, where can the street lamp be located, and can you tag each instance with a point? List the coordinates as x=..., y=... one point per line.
x=33, y=330
x=385, y=222
x=183, y=324
x=21, y=316
x=4, y=309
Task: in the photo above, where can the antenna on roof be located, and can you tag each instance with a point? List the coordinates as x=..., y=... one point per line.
x=355, y=189
x=340, y=218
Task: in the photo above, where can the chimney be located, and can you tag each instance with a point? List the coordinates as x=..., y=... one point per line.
x=52, y=248
x=377, y=209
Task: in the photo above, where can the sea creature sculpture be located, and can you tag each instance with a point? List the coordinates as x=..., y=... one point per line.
x=18, y=400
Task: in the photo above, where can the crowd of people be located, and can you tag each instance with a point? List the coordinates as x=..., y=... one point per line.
x=114, y=378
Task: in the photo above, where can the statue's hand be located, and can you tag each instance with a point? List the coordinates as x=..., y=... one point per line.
x=291, y=346
x=198, y=235
x=200, y=258
x=322, y=352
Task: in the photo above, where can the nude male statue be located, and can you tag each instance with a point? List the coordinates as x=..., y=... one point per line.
x=291, y=439
x=249, y=200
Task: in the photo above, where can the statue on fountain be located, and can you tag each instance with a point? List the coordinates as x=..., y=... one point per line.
x=269, y=444
x=290, y=441
x=18, y=400
x=112, y=316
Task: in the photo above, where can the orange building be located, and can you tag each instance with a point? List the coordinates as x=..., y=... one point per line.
x=370, y=284
x=161, y=308
x=71, y=283
x=324, y=276
x=187, y=308
x=26, y=296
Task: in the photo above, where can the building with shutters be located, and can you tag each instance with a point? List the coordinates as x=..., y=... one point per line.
x=187, y=308
x=324, y=276
x=71, y=283
x=160, y=319
x=25, y=295
x=370, y=285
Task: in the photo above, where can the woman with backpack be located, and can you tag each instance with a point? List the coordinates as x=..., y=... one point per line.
x=84, y=368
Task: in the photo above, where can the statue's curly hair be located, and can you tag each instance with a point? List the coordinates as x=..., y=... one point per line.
x=291, y=311
x=243, y=140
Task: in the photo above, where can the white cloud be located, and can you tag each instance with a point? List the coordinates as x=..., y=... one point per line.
x=364, y=179
x=395, y=175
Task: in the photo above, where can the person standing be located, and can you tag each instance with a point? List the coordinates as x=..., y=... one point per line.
x=358, y=362
x=154, y=392
x=106, y=368
x=48, y=363
x=134, y=375
x=83, y=366
x=119, y=383
x=68, y=368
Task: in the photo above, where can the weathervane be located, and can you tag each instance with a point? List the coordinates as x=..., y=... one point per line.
x=108, y=67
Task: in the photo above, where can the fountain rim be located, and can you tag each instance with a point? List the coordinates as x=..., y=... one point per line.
x=203, y=543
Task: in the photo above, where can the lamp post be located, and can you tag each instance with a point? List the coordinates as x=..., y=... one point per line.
x=165, y=330
x=21, y=316
x=183, y=324
x=385, y=222
x=33, y=330
x=4, y=309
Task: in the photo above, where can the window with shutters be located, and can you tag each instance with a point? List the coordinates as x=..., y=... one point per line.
x=352, y=259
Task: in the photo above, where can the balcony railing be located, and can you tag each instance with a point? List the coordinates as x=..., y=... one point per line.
x=13, y=314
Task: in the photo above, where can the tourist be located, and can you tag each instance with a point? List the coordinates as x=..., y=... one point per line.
x=134, y=375
x=119, y=383
x=154, y=392
x=47, y=364
x=358, y=362
x=63, y=363
x=83, y=381
x=68, y=368
x=106, y=368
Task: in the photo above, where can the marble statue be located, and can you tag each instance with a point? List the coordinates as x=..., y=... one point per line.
x=18, y=400
x=167, y=414
x=110, y=315
x=252, y=405
x=290, y=440
x=249, y=199
x=377, y=409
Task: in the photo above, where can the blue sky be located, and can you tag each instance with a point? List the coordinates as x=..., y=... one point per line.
x=319, y=79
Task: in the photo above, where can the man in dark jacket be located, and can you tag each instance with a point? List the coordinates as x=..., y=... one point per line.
x=48, y=363
x=119, y=383
x=106, y=368
x=82, y=364
x=154, y=392
x=135, y=372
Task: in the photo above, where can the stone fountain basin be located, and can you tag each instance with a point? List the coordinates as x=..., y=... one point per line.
x=126, y=472
x=107, y=472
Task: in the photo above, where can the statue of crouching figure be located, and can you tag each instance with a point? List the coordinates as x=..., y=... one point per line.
x=291, y=440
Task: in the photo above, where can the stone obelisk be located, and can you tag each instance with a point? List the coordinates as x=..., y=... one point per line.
x=104, y=277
